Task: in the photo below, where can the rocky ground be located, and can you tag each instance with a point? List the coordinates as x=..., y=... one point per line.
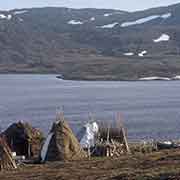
x=163, y=165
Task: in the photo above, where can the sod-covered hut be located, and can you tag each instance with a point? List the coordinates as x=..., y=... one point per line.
x=6, y=159
x=23, y=139
x=61, y=144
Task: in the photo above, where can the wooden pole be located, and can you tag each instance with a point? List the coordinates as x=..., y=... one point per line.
x=9, y=156
x=125, y=141
x=123, y=133
x=108, y=135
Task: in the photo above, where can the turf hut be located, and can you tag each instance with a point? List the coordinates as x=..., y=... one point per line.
x=23, y=139
x=61, y=144
x=6, y=159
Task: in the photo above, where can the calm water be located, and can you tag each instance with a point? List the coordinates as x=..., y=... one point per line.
x=149, y=109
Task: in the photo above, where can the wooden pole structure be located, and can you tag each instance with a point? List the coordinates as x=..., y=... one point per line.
x=29, y=148
x=125, y=141
x=107, y=140
x=6, y=161
x=123, y=133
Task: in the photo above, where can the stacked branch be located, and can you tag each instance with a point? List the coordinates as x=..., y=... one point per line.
x=112, y=139
x=6, y=159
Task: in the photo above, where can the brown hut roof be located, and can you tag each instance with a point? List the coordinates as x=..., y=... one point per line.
x=61, y=144
x=23, y=139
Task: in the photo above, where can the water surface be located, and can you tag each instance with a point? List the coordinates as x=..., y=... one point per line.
x=149, y=109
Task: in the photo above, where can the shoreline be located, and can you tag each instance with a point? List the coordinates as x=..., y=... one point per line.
x=123, y=80
x=67, y=78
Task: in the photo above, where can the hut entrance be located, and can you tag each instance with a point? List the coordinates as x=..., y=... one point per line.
x=21, y=146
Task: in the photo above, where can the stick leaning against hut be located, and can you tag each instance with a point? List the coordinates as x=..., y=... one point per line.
x=6, y=159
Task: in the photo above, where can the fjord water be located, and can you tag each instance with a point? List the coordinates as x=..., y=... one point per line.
x=149, y=109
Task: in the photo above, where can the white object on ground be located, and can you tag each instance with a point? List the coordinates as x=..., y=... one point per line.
x=167, y=142
x=13, y=154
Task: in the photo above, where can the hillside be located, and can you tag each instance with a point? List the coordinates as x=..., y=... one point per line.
x=91, y=43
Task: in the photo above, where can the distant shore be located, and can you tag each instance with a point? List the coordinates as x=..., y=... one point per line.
x=97, y=78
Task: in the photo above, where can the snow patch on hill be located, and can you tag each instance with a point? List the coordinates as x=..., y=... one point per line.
x=93, y=19
x=109, y=25
x=154, y=78
x=163, y=37
x=2, y=16
x=108, y=14
x=20, y=19
x=8, y=17
x=129, y=54
x=176, y=78
x=74, y=22
x=167, y=15
x=19, y=12
x=145, y=19
x=141, y=54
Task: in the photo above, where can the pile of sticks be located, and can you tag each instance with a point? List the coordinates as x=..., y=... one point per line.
x=6, y=159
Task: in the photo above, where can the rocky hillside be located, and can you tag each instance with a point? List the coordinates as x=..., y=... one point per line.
x=91, y=43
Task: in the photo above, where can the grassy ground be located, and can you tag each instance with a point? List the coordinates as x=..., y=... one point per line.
x=163, y=165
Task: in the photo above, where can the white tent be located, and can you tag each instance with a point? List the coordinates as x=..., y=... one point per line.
x=88, y=136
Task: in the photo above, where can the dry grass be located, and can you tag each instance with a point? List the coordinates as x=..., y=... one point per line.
x=158, y=165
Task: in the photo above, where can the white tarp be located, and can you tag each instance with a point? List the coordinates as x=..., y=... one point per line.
x=88, y=138
x=45, y=147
